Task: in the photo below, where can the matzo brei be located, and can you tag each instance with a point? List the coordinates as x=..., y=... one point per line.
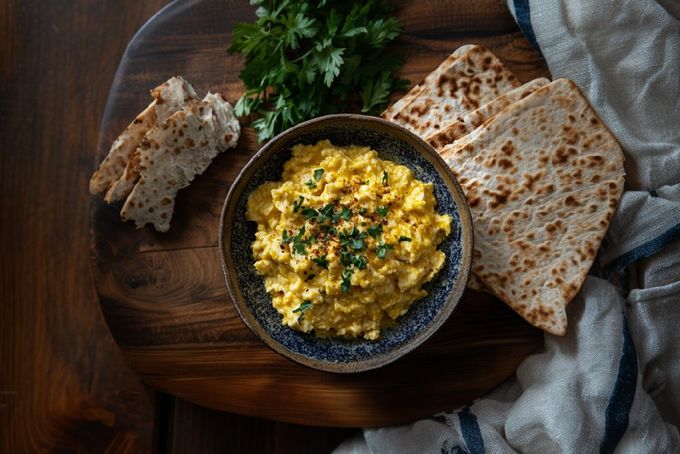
x=543, y=179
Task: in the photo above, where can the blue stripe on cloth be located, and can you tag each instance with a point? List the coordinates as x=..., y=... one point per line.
x=621, y=399
x=469, y=428
x=651, y=247
x=523, y=14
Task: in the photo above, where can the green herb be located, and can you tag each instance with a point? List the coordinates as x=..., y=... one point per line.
x=302, y=309
x=300, y=245
x=382, y=211
x=381, y=250
x=346, y=279
x=384, y=178
x=346, y=258
x=318, y=173
x=305, y=58
x=363, y=211
x=360, y=261
x=285, y=239
x=375, y=230
x=322, y=261
x=404, y=238
x=345, y=213
x=297, y=204
x=310, y=184
x=310, y=213
x=327, y=213
x=357, y=244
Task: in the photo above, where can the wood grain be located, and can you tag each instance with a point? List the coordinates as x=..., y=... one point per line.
x=164, y=297
x=64, y=385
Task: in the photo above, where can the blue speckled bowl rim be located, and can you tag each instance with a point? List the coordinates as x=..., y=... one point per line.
x=466, y=237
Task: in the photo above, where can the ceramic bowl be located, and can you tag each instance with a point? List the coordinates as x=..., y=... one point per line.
x=423, y=318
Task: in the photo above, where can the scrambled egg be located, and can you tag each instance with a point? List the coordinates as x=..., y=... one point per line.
x=346, y=241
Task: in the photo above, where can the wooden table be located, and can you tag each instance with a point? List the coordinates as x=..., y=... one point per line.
x=63, y=382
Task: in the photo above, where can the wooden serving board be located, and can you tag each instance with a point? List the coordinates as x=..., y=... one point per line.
x=164, y=295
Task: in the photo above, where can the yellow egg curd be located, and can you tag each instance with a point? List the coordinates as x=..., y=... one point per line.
x=346, y=240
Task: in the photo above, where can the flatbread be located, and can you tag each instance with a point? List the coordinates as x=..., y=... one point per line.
x=542, y=179
x=176, y=90
x=460, y=87
x=169, y=97
x=445, y=66
x=473, y=120
x=171, y=156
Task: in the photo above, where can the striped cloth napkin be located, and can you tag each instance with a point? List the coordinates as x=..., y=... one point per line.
x=612, y=384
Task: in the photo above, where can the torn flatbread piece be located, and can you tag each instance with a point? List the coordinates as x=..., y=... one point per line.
x=473, y=120
x=543, y=179
x=172, y=155
x=169, y=97
x=467, y=83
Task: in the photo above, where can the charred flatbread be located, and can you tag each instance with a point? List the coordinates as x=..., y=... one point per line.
x=543, y=179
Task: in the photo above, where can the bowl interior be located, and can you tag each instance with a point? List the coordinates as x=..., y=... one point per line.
x=423, y=317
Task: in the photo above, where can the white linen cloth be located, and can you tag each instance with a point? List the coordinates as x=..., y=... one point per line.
x=612, y=384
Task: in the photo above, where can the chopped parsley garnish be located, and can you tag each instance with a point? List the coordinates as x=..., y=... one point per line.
x=322, y=261
x=300, y=245
x=375, y=230
x=346, y=213
x=358, y=244
x=384, y=178
x=382, y=211
x=310, y=184
x=381, y=250
x=310, y=213
x=326, y=213
x=285, y=239
x=297, y=204
x=404, y=238
x=318, y=173
x=360, y=261
x=363, y=211
x=346, y=279
x=302, y=308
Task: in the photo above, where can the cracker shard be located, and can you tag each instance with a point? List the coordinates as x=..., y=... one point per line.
x=204, y=129
x=543, y=179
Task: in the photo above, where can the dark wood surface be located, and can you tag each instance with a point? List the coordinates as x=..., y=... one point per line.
x=164, y=296
x=64, y=385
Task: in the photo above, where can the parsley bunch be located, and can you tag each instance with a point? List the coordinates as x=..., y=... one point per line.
x=308, y=58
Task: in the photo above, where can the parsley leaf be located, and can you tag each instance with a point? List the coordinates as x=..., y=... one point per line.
x=360, y=261
x=375, y=230
x=310, y=184
x=322, y=261
x=381, y=250
x=404, y=238
x=285, y=239
x=309, y=58
x=310, y=213
x=363, y=211
x=382, y=211
x=318, y=173
x=346, y=279
x=297, y=204
x=302, y=309
x=384, y=178
x=345, y=213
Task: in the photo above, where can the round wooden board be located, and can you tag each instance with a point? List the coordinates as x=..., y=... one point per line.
x=164, y=295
